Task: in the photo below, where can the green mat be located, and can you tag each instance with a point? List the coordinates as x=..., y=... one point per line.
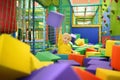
x=47, y=56
x=81, y=50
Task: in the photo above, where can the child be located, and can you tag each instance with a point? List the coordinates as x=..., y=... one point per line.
x=63, y=43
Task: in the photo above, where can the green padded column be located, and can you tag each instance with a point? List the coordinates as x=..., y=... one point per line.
x=52, y=8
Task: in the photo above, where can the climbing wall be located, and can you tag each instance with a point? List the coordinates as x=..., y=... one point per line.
x=105, y=21
x=115, y=22
x=110, y=22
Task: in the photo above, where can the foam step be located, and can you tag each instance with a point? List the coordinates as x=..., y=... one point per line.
x=98, y=62
x=105, y=74
x=92, y=68
x=14, y=57
x=86, y=60
x=36, y=64
x=84, y=75
x=92, y=53
x=58, y=71
x=70, y=62
x=47, y=56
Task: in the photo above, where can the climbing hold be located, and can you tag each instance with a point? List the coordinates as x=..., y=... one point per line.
x=104, y=32
x=104, y=21
x=108, y=16
x=116, y=1
x=101, y=16
x=110, y=31
x=113, y=11
x=106, y=25
x=104, y=0
x=118, y=17
x=107, y=10
x=105, y=5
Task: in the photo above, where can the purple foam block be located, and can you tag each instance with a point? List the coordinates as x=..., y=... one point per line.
x=32, y=75
x=98, y=62
x=100, y=58
x=58, y=71
x=86, y=60
x=92, y=68
x=70, y=62
x=55, y=19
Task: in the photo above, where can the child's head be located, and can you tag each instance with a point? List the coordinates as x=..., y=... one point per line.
x=66, y=38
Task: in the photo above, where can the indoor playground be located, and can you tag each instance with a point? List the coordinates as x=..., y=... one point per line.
x=59, y=40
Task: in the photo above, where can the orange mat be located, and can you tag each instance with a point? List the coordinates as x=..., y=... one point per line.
x=84, y=75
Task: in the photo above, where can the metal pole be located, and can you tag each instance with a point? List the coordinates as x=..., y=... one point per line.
x=70, y=14
x=33, y=17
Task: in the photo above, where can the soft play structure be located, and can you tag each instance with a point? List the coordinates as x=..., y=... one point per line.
x=29, y=31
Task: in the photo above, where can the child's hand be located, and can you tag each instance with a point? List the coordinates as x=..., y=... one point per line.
x=60, y=27
x=60, y=30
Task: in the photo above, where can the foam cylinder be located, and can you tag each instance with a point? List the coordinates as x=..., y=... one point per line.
x=115, y=60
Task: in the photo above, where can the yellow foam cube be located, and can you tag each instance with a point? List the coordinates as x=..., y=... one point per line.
x=91, y=53
x=106, y=74
x=109, y=44
x=80, y=42
x=14, y=57
x=36, y=64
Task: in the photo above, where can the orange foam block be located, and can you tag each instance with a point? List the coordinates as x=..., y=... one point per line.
x=91, y=49
x=115, y=59
x=84, y=75
x=77, y=57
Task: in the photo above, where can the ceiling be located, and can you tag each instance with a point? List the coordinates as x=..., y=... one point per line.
x=47, y=3
x=74, y=2
x=85, y=10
